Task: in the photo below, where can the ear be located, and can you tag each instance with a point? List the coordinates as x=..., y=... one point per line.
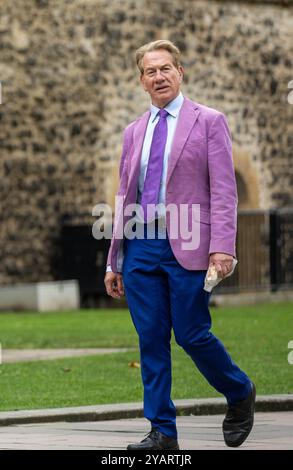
x=141, y=78
x=181, y=73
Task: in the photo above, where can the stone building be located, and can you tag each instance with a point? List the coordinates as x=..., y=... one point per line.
x=70, y=86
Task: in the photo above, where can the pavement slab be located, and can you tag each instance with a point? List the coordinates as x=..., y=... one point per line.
x=26, y=355
x=271, y=431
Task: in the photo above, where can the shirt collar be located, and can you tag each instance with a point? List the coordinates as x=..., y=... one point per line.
x=173, y=107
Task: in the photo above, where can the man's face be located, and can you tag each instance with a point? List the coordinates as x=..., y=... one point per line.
x=160, y=78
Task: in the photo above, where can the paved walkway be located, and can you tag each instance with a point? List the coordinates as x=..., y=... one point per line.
x=23, y=355
x=271, y=431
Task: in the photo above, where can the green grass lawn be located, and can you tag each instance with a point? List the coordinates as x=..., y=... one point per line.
x=256, y=337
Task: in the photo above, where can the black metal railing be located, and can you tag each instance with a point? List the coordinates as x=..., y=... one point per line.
x=264, y=248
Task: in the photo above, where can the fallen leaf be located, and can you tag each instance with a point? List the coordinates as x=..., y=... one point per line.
x=134, y=364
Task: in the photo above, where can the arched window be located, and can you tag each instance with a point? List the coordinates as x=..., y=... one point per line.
x=242, y=191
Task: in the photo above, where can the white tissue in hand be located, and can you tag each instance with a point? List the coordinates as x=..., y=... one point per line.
x=212, y=273
x=212, y=278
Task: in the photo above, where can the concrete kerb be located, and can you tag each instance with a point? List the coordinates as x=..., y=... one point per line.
x=203, y=406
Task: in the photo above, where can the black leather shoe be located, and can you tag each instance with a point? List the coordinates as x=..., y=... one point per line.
x=155, y=440
x=239, y=420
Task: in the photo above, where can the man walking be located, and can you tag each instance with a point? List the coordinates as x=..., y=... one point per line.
x=177, y=153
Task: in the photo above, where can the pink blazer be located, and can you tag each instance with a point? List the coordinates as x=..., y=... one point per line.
x=200, y=171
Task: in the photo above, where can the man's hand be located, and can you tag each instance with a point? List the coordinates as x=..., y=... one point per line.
x=222, y=262
x=114, y=285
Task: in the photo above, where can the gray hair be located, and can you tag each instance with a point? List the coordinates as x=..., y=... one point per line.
x=153, y=46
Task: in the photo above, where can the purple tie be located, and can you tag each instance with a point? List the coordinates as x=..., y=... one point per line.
x=151, y=188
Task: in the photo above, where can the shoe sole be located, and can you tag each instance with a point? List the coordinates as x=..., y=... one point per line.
x=170, y=448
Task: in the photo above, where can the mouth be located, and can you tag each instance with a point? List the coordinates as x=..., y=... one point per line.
x=162, y=88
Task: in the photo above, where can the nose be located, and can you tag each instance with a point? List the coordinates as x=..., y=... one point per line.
x=159, y=76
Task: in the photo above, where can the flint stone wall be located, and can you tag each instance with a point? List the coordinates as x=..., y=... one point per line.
x=70, y=86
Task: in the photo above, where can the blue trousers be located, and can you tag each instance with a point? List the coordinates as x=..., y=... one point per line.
x=162, y=295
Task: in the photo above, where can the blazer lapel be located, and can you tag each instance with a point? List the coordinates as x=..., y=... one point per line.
x=188, y=115
x=138, y=138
